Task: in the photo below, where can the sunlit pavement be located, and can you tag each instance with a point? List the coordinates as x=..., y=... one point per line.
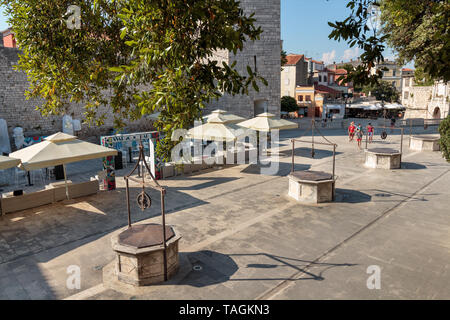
x=249, y=238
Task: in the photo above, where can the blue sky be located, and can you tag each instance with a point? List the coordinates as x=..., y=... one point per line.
x=304, y=29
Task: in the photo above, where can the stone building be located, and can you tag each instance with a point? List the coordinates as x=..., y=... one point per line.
x=263, y=53
x=393, y=75
x=294, y=73
x=427, y=102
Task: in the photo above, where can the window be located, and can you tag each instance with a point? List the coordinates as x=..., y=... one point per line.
x=320, y=78
x=393, y=83
x=308, y=98
x=300, y=98
x=324, y=78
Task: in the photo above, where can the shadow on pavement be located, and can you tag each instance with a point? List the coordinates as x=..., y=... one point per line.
x=210, y=268
x=307, y=153
x=412, y=166
x=351, y=196
x=283, y=170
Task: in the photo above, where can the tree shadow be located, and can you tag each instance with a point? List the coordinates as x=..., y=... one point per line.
x=283, y=170
x=307, y=153
x=351, y=196
x=388, y=194
x=210, y=268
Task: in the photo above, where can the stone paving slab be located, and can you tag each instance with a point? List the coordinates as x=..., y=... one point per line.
x=240, y=226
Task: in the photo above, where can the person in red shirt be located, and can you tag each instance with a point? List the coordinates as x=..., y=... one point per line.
x=351, y=131
x=370, y=132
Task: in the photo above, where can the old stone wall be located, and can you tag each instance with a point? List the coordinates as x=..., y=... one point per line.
x=20, y=112
x=427, y=102
x=268, y=62
x=17, y=111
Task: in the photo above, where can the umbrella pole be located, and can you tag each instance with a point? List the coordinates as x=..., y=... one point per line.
x=65, y=181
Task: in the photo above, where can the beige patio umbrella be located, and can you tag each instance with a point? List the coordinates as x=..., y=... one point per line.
x=217, y=128
x=60, y=149
x=225, y=116
x=266, y=122
x=7, y=162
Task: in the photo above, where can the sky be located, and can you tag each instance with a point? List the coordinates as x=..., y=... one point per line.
x=305, y=29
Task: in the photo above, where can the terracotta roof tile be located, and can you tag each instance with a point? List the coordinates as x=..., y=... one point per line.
x=293, y=59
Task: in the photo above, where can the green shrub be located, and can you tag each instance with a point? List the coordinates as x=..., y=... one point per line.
x=444, y=130
x=288, y=104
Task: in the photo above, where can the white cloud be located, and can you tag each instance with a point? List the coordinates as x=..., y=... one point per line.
x=329, y=57
x=350, y=54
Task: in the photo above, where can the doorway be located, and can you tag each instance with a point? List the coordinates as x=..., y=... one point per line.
x=260, y=106
x=437, y=113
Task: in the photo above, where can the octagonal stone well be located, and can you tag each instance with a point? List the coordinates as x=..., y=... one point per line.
x=424, y=143
x=311, y=186
x=140, y=254
x=383, y=158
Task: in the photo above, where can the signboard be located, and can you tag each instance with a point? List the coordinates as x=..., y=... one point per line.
x=130, y=142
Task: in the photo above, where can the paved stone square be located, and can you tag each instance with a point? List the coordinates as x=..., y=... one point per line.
x=247, y=239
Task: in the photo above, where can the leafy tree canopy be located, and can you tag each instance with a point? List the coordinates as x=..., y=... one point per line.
x=288, y=104
x=444, y=130
x=382, y=91
x=134, y=56
x=418, y=30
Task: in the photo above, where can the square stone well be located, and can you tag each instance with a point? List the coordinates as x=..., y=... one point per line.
x=383, y=158
x=311, y=186
x=140, y=254
x=424, y=143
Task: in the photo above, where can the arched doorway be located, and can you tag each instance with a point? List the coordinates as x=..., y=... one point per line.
x=437, y=113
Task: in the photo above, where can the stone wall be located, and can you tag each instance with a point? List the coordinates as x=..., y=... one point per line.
x=268, y=62
x=17, y=111
x=20, y=112
x=427, y=102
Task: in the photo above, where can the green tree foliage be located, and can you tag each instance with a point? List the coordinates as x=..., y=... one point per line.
x=419, y=30
x=421, y=78
x=133, y=57
x=288, y=104
x=416, y=29
x=283, y=57
x=355, y=31
x=382, y=91
x=444, y=130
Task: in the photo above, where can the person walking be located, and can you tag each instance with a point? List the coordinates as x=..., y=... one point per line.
x=370, y=132
x=351, y=131
x=359, y=135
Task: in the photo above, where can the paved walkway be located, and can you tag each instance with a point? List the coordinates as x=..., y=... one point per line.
x=251, y=240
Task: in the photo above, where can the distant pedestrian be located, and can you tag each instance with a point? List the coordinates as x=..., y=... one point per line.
x=370, y=132
x=351, y=131
x=392, y=124
x=359, y=134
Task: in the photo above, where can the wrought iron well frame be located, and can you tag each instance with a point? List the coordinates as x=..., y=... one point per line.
x=158, y=187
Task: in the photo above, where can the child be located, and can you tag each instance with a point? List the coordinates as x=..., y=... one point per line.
x=370, y=132
x=351, y=131
x=359, y=134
